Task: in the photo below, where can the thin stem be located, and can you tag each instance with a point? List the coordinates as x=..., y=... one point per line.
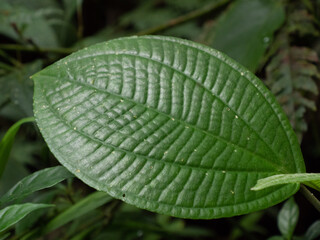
x=310, y=197
x=10, y=59
x=184, y=18
x=18, y=47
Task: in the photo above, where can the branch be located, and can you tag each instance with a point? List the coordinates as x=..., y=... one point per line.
x=184, y=18
x=310, y=197
x=80, y=19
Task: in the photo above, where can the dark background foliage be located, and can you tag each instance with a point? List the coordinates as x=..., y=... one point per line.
x=278, y=40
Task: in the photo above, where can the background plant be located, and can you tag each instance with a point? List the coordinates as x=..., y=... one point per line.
x=37, y=33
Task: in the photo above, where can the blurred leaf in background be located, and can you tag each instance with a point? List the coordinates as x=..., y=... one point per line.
x=279, y=40
x=17, y=90
x=246, y=29
x=23, y=24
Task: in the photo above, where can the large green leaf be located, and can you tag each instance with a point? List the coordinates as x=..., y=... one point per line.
x=14, y=213
x=167, y=125
x=245, y=31
x=39, y=180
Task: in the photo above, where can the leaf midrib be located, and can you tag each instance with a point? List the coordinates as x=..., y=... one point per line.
x=199, y=84
x=278, y=168
x=204, y=87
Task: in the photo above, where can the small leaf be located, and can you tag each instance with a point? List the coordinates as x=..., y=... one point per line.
x=167, y=125
x=7, y=142
x=14, y=213
x=288, y=218
x=82, y=207
x=39, y=180
x=310, y=179
x=313, y=231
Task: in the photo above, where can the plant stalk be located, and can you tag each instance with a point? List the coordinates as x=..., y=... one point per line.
x=80, y=19
x=18, y=47
x=310, y=197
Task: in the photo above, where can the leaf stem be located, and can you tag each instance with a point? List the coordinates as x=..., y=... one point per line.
x=19, y=47
x=184, y=18
x=310, y=197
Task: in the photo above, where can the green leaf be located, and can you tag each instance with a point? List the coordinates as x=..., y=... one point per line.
x=14, y=213
x=7, y=142
x=245, y=31
x=39, y=180
x=82, y=207
x=313, y=231
x=288, y=218
x=310, y=179
x=167, y=125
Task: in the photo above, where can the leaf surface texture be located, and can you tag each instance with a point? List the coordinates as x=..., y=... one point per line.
x=167, y=125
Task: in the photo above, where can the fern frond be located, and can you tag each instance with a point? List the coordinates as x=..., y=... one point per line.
x=292, y=75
